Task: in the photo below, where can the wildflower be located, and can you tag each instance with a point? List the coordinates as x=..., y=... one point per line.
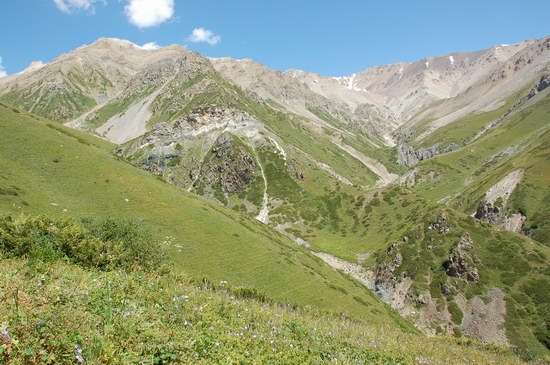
x=78, y=351
x=5, y=335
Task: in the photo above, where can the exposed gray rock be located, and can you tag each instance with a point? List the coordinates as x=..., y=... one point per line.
x=410, y=156
x=514, y=222
x=494, y=215
x=386, y=271
x=487, y=212
x=543, y=84
x=485, y=321
x=440, y=224
x=232, y=167
x=458, y=264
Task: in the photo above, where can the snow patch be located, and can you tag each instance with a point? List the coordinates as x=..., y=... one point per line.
x=348, y=81
x=428, y=64
x=452, y=59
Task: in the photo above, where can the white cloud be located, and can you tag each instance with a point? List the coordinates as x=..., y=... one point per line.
x=149, y=13
x=71, y=6
x=3, y=73
x=150, y=46
x=204, y=35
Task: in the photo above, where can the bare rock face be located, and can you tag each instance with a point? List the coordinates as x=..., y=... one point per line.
x=493, y=209
x=543, y=84
x=385, y=273
x=232, y=167
x=492, y=214
x=295, y=170
x=409, y=156
x=514, y=222
x=458, y=264
x=485, y=321
x=487, y=212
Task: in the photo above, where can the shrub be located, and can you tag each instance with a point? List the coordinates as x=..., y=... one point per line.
x=103, y=244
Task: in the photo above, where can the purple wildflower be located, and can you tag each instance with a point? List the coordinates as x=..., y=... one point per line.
x=78, y=357
x=5, y=335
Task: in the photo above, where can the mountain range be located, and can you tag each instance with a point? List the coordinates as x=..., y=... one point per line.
x=424, y=183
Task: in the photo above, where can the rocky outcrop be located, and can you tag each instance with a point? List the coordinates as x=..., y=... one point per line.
x=487, y=212
x=440, y=224
x=494, y=215
x=485, y=320
x=492, y=209
x=393, y=289
x=295, y=170
x=543, y=84
x=232, y=167
x=460, y=261
x=514, y=222
x=410, y=156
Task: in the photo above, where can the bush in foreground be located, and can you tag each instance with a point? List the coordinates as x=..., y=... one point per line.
x=102, y=244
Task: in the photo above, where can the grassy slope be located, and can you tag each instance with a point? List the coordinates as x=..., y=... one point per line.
x=462, y=177
x=362, y=141
x=292, y=129
x=47, y=171
x=129, y=317
x=464, y=129
x=69, y=99
x=483, y=161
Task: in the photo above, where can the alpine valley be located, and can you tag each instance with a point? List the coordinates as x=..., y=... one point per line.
x=404, y=208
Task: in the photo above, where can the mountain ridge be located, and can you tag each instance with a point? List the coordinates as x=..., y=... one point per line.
x=380, y=170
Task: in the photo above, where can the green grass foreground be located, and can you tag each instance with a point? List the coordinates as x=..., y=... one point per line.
x=64, y=302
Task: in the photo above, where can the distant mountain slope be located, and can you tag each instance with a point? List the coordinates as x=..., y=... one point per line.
x=360, y=170
x=75, y=82
x=49, y=169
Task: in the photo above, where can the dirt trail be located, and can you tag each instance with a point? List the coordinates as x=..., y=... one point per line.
x=372, y=164
x=356, y=271
x=78, y=122
x=334, y=174
x=263, y=216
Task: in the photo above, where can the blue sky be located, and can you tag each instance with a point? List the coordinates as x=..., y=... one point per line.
x=324, y=36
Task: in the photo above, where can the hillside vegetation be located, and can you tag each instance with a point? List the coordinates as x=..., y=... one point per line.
x=94, y=292
x=52, y=170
